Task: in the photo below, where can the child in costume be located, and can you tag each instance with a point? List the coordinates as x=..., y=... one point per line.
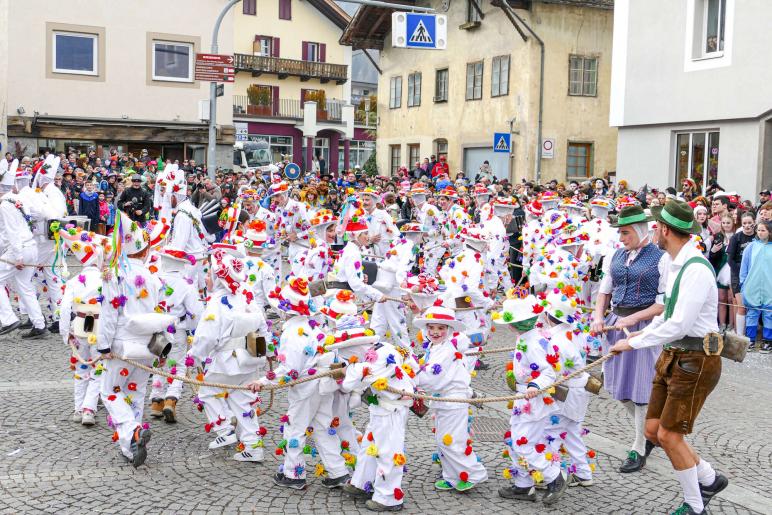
x=445, y=372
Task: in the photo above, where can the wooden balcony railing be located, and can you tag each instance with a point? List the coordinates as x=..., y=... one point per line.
x=285, y=108
x=306, y=70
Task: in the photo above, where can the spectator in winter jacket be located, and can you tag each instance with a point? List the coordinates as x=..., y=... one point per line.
x=89, y=205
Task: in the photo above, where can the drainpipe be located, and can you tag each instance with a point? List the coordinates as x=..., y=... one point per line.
x=512, y=14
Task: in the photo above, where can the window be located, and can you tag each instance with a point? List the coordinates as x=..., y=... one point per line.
x=440, y=148
x=279, y=146
x=500, y=76
x=474, y=80
x=263, y=46
x=75, y=53
x=441, y=85
x=313, y=52
x=472, y=16
x=359, y=153
x=395, y=93
x=713, y=16
x=414, y=153
x=694, y=158
x=579, y=160
x=285, y=9
x=249, y=7
x=394, y=153
x=582, y=76
x=172, y=61
x=414, y=89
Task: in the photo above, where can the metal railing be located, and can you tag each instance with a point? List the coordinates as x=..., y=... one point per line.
x=285, y=108
x=295, y=67
x=366, y=118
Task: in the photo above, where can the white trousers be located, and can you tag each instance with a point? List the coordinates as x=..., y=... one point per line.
x=241, y=403
x=456, y=457
x=164, y=387
x=86, y=384
x=432, y=258
x=314, y=411
x=7, y=315
x=347, y=432
x=529, y=456
x=568, y=433
x=390, y=317
x=48, y=282
x=123, y=394
x=22, y=281
x=379, y=474
x=197, y=273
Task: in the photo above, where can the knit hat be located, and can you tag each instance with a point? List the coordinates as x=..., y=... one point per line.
x=678, y=216
x=439, y=315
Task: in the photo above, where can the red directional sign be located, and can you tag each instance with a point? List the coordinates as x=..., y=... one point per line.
x=215, y=68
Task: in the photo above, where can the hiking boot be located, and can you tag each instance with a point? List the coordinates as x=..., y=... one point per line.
x=10, y=327
x=575, y=480
x=87, y=418
x=224, y=440
x=35, y=333
x=356, y=493
x=139, y=446
x=707, y=492
x=518, y=493
x=281, y=480
x=337, y=482
x=170, y=410
x=686, y=509
x=376, y=506
x=253, y=455
x=633, y=463
x=156, y=408
x=555, y=490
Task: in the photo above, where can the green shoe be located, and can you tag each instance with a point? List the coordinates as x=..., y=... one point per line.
x=463, y=486
x=443, y=485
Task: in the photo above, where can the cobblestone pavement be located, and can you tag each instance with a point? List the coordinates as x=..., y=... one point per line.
x=50, y=465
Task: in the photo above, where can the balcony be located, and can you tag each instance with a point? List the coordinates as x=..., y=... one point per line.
x=306, y=70
x=286, y=108
x=366, y=119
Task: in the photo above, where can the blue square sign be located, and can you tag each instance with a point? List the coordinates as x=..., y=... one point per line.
x=421, y=31
x=502, y=142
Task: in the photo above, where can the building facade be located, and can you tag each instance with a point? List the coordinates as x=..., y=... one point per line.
x=451, y=102
x=675, y=114
x=89, y=74
x=293, y=81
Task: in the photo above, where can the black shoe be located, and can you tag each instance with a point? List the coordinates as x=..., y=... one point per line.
x=139, y=446
x=685, y=509
x=766, y=347
x=480, y=365
x=281, y=480
x=35, y=333
x=11, y=327
x=376, y=506
x=356, y=493
x=708, y=492
x=26, y=325
x=649, y=447
x=752, y=345
x=337, y=482
x=518, y=493
x=54, y=327
x=555, y=490
x=633, y=463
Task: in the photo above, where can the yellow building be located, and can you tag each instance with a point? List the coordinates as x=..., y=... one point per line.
x=451, y=102
x=293, y=80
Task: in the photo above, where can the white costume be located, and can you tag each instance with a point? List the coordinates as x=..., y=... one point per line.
x=431, y=219
x=348, y=268
x=188, y=234
x=390, y=316
x=380, y=223
x=292, y=218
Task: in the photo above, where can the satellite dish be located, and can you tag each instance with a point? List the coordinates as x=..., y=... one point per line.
x=292, y=171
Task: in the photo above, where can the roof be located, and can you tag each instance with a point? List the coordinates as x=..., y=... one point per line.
x=332, y=11
x=600, y=4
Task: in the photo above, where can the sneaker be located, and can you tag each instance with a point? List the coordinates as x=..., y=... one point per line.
x=224, y=440
x=575, y=480
x=481, y=366
x=11, y=327
x=54, y=327
x=708, y=492
x=156, y=408
x=35, y=333
x=26, y=325
x=356, y=493
x=337, y=482
x=686, y=509
x=518, y=493
x=752, y=345
x=649, y=447
x=463, y=486
x=766, y=347
x=443, y=485
x=253, y=455
x=633, y=463
x=281, y=480
x=376, y=506
x=77, y=417
x=139, y=446
x=555, y=490
x=87, y=418
x=170, y=410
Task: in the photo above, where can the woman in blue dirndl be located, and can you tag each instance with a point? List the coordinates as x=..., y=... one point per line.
x=633, y=284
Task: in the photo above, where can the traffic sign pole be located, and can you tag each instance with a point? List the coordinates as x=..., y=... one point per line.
x=211, y=155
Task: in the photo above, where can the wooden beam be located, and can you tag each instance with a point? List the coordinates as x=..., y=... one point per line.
x=367, y=54
x=377, y=23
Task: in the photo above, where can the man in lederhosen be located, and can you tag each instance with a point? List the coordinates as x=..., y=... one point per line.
x=687, y=370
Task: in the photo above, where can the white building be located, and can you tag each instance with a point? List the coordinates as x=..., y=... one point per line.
x=691, y=93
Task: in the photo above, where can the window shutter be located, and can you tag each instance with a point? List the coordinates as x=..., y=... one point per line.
x=256, y=44
x=249, y=7
x=285, y=9
x=322, y=52
x=275, y=91
x=305, y=50
x=275, y=50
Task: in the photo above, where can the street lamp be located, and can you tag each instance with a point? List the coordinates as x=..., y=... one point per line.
x=210, y=156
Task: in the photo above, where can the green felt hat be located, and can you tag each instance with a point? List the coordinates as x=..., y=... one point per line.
x=631, y=215
x=677, y=215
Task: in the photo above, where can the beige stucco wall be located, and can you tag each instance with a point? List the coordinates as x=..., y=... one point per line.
x=565, y=30
x=123, y=86
x=307, y=24
x=4, y=83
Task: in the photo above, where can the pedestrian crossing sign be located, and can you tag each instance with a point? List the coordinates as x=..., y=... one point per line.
x=502, y=142
x=414, y=30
